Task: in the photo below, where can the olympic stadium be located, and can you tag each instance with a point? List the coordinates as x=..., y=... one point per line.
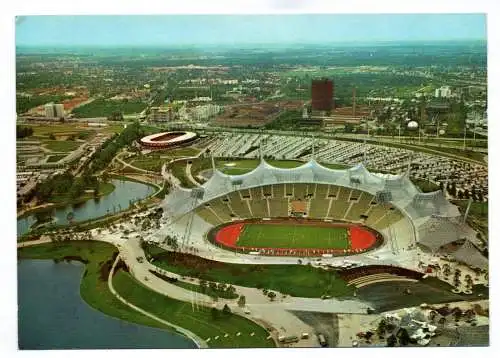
x=384, y=219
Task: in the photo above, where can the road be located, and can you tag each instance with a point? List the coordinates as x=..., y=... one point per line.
x=275, y=314
x=197, y=340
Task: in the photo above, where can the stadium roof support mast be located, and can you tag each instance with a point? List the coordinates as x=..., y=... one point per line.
x=408, y=168
x=197, y=194
x=213, y=161
x=261, y=155
x=313, y=149
x=467, y=210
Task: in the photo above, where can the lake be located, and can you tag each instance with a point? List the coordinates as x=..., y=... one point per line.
x=120, y=199
x=52, y=315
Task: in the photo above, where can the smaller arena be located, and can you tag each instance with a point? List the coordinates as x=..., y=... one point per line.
x=295, y=237
x=167, y=139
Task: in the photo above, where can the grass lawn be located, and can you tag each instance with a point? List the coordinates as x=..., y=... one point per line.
x=58, y=129
x=104, y=189
x=179, y=171
x=425, y=185
x=478, y=215
x=198, y=321
x=293, y=236
x=209, y=292
x=93, y=289
x=55, y=158
x=104, y=108
x=242, y=166
x=295, y=280
x=61, y=145
x=479, y=209
x=153, y=164
x=153, y=161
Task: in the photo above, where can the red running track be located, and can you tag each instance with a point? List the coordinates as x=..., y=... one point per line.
x=229, y=235
x=360, y=240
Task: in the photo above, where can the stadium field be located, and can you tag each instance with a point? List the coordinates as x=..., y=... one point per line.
x=293, y=236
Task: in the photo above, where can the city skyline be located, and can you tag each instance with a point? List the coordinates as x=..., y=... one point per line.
x=182, y=30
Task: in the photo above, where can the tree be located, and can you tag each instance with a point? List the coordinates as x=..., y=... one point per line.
x=453, y=190
x=348, y=128
x=404, y=337
x=241, y=301
x=381, y=328
x=214, y=313
x=174, y=244
x=271, y=295
x=226, y=311
x=391, y=341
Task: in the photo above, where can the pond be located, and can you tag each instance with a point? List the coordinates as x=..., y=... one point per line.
x=125, y=193
x=52, y=315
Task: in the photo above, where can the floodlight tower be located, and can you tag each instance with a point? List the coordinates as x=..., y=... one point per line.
x=197, y=194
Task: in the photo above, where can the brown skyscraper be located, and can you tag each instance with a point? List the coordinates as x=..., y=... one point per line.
x=322, y=95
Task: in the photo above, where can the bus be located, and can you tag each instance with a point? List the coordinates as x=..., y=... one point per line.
x=288, y=339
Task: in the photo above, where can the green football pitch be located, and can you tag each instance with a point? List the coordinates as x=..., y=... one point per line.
x=293, y=236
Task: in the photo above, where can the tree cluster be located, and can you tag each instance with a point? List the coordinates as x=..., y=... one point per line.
x=217, y=290
x=102, y=158
x=22, y=132
x=66, y=185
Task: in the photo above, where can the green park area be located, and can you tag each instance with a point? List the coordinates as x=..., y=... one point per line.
x=204, y=322
x=65, y=188
x=64, y=131
x=62, y=145
x=55, y=158
x=242, y=166
x=294, y=280
x=106, y=108
x=99, y=257
x=153, y=161
x=293, y=236
x=425, y=185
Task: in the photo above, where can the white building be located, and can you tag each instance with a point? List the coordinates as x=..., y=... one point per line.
x=59, y=110
x=442, y=92
x=49, y=110
x=54, y=110
x=205, y=111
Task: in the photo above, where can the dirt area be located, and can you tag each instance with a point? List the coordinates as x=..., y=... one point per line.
x=253, y=114
x=325, y=323
x=386, y=296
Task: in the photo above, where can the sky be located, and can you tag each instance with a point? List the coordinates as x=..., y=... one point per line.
x=178, y=30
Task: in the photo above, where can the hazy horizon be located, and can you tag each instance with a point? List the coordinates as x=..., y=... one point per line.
x=245, y=30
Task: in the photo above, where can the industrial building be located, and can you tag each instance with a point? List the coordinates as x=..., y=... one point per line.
x=322, y=92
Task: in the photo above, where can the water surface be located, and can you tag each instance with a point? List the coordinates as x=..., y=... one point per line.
x=52, y=315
